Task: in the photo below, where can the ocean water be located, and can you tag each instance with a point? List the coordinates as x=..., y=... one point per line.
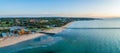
x=101, y=36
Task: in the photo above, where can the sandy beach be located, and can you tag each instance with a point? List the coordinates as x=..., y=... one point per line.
x=15, y=40
x=57, y=29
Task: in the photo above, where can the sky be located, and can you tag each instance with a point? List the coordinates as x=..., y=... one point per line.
x=63, y=8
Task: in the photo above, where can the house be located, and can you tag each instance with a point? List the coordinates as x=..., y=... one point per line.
x=19, y=30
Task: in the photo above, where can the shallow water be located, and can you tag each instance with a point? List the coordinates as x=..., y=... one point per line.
x=78, y=40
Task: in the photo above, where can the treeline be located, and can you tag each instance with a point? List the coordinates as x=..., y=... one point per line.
x=38, y=21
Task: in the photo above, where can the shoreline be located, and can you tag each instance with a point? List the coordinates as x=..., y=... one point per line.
x=14, y=40
x=58, y=29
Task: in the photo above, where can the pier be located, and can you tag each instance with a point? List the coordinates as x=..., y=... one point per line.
x=47, y=33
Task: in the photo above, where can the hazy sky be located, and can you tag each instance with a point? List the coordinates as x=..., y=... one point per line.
x=74, y=8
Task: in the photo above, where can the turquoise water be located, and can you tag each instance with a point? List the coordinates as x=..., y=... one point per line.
x=92, y=39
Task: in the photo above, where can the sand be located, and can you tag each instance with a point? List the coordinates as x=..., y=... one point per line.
x=57, y=29
x=14, y=40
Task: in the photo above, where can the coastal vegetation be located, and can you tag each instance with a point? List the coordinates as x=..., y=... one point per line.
x=25, y=25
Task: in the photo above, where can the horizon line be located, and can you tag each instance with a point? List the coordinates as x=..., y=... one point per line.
x=58, y=17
